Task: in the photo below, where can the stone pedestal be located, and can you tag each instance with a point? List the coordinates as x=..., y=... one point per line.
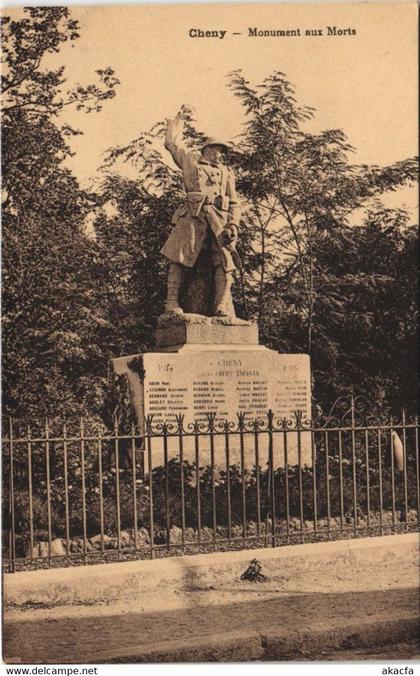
x=174, y=331
x=217, y=367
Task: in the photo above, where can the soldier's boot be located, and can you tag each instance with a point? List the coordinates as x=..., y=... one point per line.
x=175, y=279
x=223, y=306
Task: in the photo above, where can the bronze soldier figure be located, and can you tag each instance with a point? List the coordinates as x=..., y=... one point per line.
x=210, y=214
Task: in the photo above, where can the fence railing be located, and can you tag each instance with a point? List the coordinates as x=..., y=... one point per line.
x=75, y=494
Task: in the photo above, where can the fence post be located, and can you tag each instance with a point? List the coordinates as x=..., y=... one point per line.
x=180, y=423
x=380, y=482
x=314, y=482
x=271, y=477
x=101, y=488
x=66, y=489
x=392, y=455
x=241, y=426
x=367, y=479
x=405, y=468
x=12, y=534
x=353, y=456
x=117, y=483
x=165, y=463
x=257, y=477
x=148, y=433
x=211, y=418
x=31, y=510
x=197, y=480
x=327, y=483
x=228, y=496
x=134, y=483
x=299, y=441
x=286, y=482
x=340, y=469
x=48, y=478
x=416, y=434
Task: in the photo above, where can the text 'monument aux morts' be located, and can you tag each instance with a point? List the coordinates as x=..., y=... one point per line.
x=255, y=32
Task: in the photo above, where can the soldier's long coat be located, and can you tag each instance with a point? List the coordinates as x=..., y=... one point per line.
x=204, y=181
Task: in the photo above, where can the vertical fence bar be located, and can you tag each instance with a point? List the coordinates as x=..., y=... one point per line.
x=117, y=484
x=134, y=482
x=197, y=482
x=213, y=485
x=271, y=478
x=286, y=485
x=101, y=490
x=12, y=532
x=380, y=482
x=416, y=433
x=314, y=486
x=391, y=450
x=257, y=479
x=165, y=462
x=354, y=475
x=228, y=496
x=367, y=478
x=340, y=461
x=83, y=468
x=31, y=508
x=149, y=462
x=243, y=487
x=405, y=469
x=327, y=481
x=181, y=462
x=48, y=480
x=299, y=441
x=66, y=489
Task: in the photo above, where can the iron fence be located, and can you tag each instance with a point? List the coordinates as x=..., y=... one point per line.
x=77, y=494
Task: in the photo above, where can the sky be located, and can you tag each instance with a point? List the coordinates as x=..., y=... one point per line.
x=364, y=83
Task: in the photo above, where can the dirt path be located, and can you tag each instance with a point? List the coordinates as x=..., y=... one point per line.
x=84, y=634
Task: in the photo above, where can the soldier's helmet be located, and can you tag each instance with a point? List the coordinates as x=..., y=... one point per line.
x=213, y=141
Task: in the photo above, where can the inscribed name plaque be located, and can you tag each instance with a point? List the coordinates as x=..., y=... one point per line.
x=223, y=381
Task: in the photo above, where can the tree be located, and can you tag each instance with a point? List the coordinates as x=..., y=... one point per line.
x=25, y=86
x=298, y=186
x=365, y=305
x=51, y=357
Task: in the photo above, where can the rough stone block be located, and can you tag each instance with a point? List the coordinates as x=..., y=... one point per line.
x=174, y=331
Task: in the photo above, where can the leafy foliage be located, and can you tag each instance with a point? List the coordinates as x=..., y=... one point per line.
x=28, y=88
x=53, y=361
x=300, y=188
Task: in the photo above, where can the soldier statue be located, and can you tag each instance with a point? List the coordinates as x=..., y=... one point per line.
x=207, y=221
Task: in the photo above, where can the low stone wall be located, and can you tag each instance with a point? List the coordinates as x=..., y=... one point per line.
x=130, y=540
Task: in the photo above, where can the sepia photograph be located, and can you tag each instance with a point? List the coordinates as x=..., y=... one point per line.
x=210, y=434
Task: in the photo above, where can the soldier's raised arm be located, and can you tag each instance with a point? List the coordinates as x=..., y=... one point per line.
x=173, y=139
